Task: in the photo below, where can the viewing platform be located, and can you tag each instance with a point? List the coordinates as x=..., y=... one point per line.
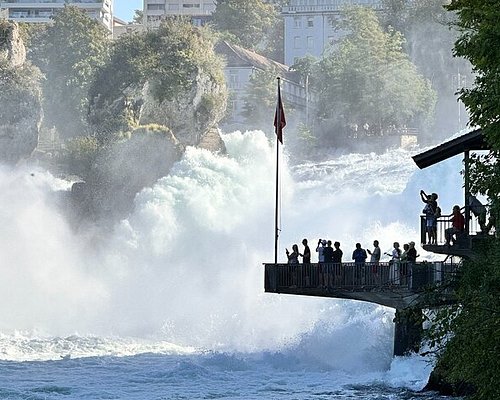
x=407, y=287
x=463, y=243
x=399, y=285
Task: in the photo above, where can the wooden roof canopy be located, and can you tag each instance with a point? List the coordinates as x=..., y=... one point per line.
x=470, y=141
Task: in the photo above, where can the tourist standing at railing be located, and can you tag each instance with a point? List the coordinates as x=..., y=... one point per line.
x=359, y=256
x=326, y=269
x=375, y=254
x=306, y=259
x=411, y=254
x=404, y=254
x=319, y=249
x=293, y=257
x=375, y=260
x=394, y=264
x=411, y=258
x=430, y=210
x=457, y=225
x=337, y=261
x=306, y=255
x=403, y=263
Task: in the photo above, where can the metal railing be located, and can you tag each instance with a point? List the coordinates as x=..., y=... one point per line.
x=443, y=223
x=357, y=277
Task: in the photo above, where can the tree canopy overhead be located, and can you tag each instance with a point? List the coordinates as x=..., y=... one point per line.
x=368, y=79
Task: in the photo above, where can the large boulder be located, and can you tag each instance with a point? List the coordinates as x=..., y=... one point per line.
x=123, y=169
x=20, y=98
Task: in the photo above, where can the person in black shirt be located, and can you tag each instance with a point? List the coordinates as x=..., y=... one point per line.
x=337, y=253
x=328, y=252
x=411, y=255
x=306, y=255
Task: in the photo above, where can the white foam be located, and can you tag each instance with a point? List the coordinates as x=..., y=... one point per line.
x=186, y=266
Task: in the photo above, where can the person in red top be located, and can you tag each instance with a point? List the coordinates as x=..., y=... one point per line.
x=458, y=225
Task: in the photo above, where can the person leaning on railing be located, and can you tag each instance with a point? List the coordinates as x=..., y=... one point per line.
x=457, y=225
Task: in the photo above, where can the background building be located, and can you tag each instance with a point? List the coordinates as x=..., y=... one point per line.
x=240, y=65
x=310, y=25
x=41, y=11
x=198, y=10
x=121, y=27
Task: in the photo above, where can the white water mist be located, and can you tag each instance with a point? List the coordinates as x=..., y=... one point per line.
x=186, y=265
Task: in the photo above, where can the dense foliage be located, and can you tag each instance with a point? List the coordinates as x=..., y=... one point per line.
x=429, y=38
x=247, y=21
x=19, y=92
x=467, y=335
x=367, y=80
x=472, y=327
x=69, y=52
x=170, y=60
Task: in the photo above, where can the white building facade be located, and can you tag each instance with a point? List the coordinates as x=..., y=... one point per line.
x=241, y=64
x=198, y=10
x=41, y=11
x=310, y=25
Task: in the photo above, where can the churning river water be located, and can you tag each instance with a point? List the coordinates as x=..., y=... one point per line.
x=169, y=303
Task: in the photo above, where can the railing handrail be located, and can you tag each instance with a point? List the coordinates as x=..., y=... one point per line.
x=357, y=276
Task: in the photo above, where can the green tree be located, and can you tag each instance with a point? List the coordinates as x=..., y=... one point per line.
x=170, y=60
x=249, y=21
x=467, y=335
x=368, y=79
x=471, y=330
x=69, y=52
x=260, y=100
x=138, y=17
x=430, y=35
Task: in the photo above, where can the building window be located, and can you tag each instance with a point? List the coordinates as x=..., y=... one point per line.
x=297, y=22
x=296, y=42
x=233, y=80
x=190, y=6
x=153, y=7
x=173, y=7
x=310, y=22
x=310, y=42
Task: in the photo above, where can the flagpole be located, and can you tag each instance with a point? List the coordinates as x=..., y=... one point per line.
x=276, y=229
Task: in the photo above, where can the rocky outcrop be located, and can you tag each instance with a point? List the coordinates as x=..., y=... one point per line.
x=212, y=141
x=190, y=115
x=125, y=168
x=12, y=50
x=20, y=98
x=438, y=383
